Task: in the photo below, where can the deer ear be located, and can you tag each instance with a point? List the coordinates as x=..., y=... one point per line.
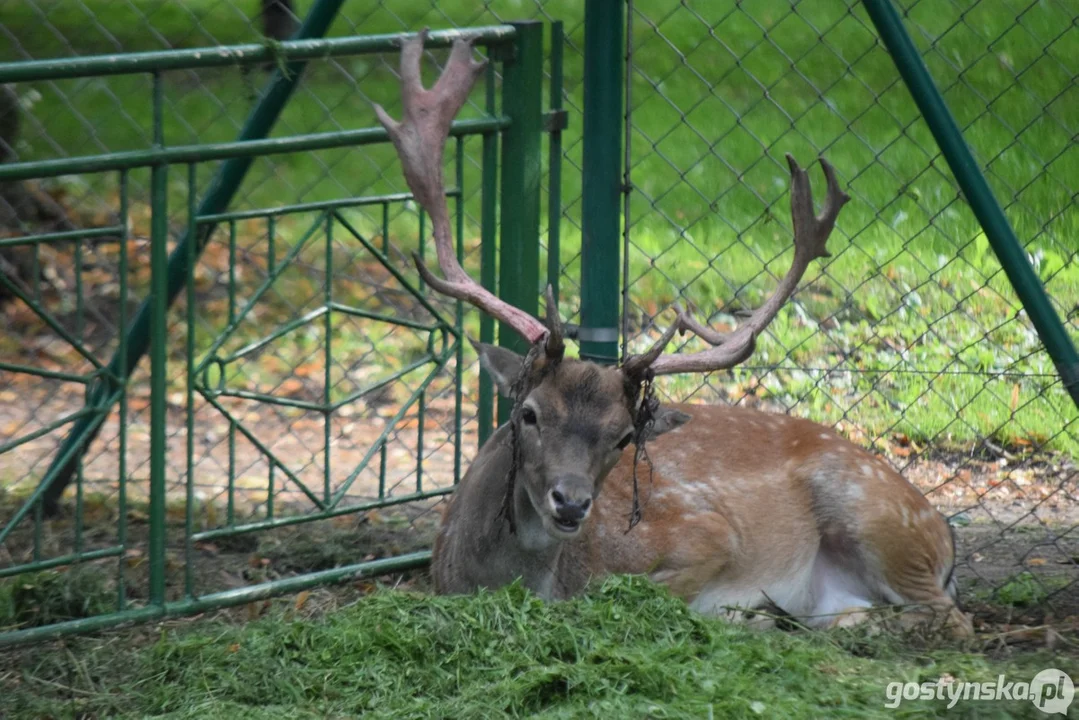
x=501, y=364
x=667, y=419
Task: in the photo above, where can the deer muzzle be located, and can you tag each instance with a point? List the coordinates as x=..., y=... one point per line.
x=570, y=502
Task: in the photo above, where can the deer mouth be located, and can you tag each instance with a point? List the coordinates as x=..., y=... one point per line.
x=569, y=527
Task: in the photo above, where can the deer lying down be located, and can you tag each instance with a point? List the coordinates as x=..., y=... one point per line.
x=740, y=510
x=744, y=509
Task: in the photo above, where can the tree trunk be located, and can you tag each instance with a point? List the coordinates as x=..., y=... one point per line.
x=278, y=20
x=17, y=204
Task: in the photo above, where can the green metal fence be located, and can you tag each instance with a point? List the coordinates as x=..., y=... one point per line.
x=909, y=340
x=302, y=375
x=912, y=339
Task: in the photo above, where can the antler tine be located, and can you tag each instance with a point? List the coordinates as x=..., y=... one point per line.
x=420, y=139
x=637, y=365
x=709, y=335
x=556, y=346
x=810, y=240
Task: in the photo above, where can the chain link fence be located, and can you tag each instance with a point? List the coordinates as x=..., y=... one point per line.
x=107, y=115
x=297, y=265
x=908, y=339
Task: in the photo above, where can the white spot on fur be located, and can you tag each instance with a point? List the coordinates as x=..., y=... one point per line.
x=825, y=436
x=855, y=491
x=733, y=543
x=699, y=487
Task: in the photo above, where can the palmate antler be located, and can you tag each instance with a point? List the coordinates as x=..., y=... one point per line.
x=810, y=239
x=420, y=139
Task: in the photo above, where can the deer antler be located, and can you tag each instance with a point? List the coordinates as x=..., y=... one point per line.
x=810, y=239
x=420, y=139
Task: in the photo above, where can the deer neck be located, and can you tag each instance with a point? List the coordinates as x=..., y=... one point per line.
x=475, y=547
x=529, y=552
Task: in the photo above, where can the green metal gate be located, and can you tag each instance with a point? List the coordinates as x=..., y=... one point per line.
x=226, y=443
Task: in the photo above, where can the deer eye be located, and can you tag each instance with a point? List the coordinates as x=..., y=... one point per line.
x=528, y=416
x=625, y=441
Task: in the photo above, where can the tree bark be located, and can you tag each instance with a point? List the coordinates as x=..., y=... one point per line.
x=278, y=19
x=17, y=204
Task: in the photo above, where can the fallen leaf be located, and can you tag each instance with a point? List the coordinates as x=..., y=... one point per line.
x=291, y=386
x=307, y=369
x=208, y=548
x=301, y=599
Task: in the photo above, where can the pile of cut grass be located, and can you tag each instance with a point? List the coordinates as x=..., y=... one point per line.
x=625, y=649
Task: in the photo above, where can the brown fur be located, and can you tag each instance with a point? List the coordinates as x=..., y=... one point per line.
x=737, y=505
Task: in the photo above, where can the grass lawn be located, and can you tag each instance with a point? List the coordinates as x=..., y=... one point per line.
x=626, y=649
x=910, y=327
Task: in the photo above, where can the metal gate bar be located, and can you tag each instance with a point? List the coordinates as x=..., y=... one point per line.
x=107, y=383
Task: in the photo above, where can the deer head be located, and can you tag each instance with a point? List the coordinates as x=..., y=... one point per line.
x=572, y=419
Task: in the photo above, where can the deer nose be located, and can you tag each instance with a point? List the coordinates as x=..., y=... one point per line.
x=568, y=507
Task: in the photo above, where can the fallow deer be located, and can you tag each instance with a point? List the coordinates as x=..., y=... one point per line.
x=744, y=511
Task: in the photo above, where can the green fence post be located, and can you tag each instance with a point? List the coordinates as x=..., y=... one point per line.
x=556, y=123
x=601, y=183
x=222, y=189
x=977, y=192
x=159, y=338
x=488, y=253
x=518, y=277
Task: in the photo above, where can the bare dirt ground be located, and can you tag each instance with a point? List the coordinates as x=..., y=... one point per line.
x=293, y=442
x=1016, y=516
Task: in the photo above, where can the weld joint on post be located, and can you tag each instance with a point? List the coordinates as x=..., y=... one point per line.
x=1069, y=375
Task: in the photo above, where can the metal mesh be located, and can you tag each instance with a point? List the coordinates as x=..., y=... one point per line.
x=909, y=338
x=296, y=240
